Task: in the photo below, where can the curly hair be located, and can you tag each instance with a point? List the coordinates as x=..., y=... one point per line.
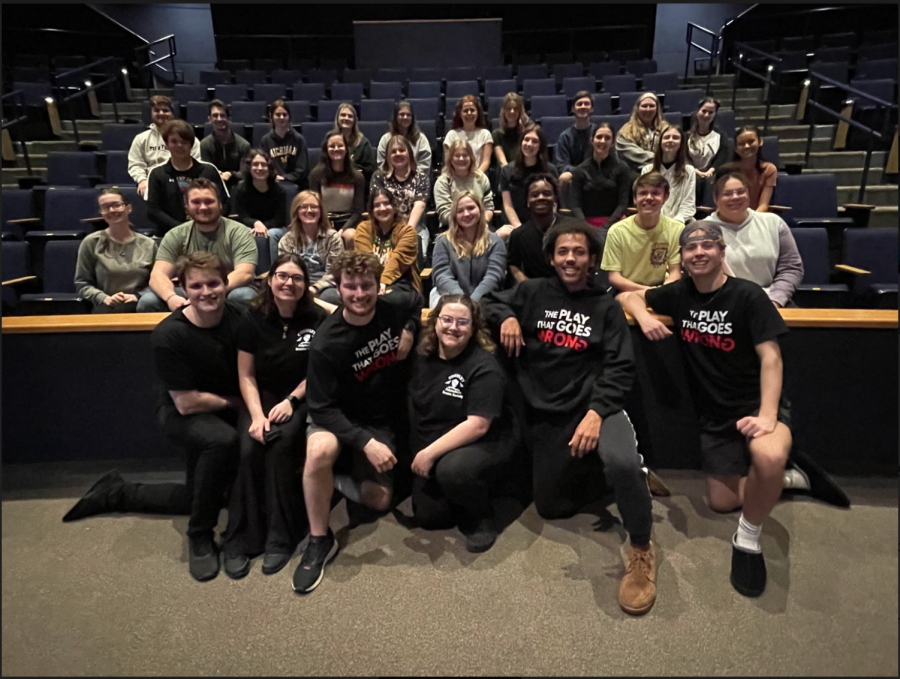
x=352, y=263
x=428, y=340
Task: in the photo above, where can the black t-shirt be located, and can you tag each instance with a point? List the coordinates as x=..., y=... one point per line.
x=508, y=140
x=719, y=332
x=355, y=379
x=518, y=186
x=444, y=393
x=187, y=357
x=280, y=347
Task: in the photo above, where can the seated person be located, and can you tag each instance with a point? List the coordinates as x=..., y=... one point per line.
x=459, y=439
x=404, y=124
x=259, y=201
x=670, y=160
x=224, y=148
x=361, y=152
x=642, y=250
x=209, y=231
x=572, y=358
x=761, y=247
x=461, y=174
x=707, y=147
x=312, y=238
x=356, y=395
x=507, y=136
x=468, y=259
x=148, y=149
x=600, y=185
x=167, y=182
x=574, y=144
x=525, y=252
x=407, y=182
x=393, y=241
x=529, y=159
x=748, y=160
x=266, y=513
x=195, y=358
x=637, y=139
x=286, y=147
x=469, y=124
x=343, y=188
x=113, y=267
x=745, y=420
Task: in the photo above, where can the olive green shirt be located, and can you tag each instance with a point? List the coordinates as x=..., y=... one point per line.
x=232, y=242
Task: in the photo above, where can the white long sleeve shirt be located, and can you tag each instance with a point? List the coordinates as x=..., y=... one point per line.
x=149, y=150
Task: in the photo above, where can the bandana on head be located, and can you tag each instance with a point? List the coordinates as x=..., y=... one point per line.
x=709, y=231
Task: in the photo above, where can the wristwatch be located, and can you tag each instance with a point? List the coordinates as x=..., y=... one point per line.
x=294, y=401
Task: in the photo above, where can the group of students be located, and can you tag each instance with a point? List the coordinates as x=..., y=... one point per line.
x=280, y=405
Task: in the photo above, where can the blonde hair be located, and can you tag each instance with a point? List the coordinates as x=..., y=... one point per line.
x=635, y=131
x=523, y=120
x=460, y=246
x=448, y=157
x=296, y=229
x=355, y=135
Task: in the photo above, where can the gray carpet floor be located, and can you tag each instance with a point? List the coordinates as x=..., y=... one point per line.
x=112, y=595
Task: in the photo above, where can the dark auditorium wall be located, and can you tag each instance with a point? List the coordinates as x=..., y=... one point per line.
x=190, y=23
x=669, y=45
x=430, y=44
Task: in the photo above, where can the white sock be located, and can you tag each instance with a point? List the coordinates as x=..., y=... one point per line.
x=795, y=479
x=348, y=488
x=747, y=536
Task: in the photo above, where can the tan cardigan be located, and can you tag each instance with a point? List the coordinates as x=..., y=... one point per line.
x=402, y=262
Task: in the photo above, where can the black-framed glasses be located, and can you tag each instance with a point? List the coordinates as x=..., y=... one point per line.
x=110, y=207
x=461, y=323
x=296, y=279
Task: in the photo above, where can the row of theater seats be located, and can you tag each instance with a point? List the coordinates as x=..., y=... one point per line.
x=871, y=251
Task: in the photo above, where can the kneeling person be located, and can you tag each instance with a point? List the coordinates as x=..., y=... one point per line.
x=575, y=366
x=355, y=391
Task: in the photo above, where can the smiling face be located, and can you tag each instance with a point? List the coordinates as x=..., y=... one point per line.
x=733, y=200
x=259, y=168
x=205, y=290
x=649, y=200
x=180, y=149
x=541, y=200
x=468, y=214
x=382, y=210
x=454, y=327
x=647, y=110
x=308, y=212
x=747, y=145
x=602, y=142
x=398, y=157
x=113, y=209
x=346, y=118
x=469, y=114
x=161, y=114
x=670, y=141
x=337, y=149
x=218, y=117
x=707, y=114
x=460, y=162
x=359, y=293
x=702, y=257
x=281, y=119
x=404, y=118
x=203, y=206
x=511, y=114
x=572, y=260
x=288, y=283
x=582, y=108
x=531, y=144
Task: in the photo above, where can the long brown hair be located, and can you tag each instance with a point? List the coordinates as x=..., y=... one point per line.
x=523, y=119
x=325, y=161
x=265, y=300
x=414, y=132
x=353, y=137
x=543, y=161
x=680, y=154
x=428, y=339
x=395, y=139
x=480, y=121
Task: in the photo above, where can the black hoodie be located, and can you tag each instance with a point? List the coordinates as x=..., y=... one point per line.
x=577, y=354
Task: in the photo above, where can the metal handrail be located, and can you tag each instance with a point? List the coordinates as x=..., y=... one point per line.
x=147, y=65
x=773, y=60
x=713, y=52
x=885, y=107
x=110, y=63
x=18, y=97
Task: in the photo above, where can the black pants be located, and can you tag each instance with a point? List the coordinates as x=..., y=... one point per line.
x=267, y=511
x=563, y=484
x=211, y=443
x=459, y=488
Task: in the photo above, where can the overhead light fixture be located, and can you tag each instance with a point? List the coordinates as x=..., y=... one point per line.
x=87, y=83
x=49, y=100
x=807, y=82
x=125, y=71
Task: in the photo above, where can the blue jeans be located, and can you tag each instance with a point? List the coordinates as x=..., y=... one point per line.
x=275, y=235
x=151, y=303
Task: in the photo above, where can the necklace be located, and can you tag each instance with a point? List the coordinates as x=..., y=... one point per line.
x=712, y=297
x=284, y=329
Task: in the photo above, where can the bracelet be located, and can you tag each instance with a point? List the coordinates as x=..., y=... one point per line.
x=174, y=294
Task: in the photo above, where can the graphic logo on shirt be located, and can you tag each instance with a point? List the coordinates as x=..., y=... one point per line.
x=454, y=386
x=564, y=328
x=707, y=328
x=377, y=354
x=303, y=340
x=658, y=254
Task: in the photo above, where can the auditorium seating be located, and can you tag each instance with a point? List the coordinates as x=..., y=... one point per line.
x=425, y=108
x=602, y=103
x=269, y=92
x=424, y=89
x=249, y=112
x=640, y=67
x=299, y=110
x=876, y=69
x=875, y=252
x=380, y=90
x=373, y=130
x=17, y=276
x=185, y=92
x=327, y=109
x=15, y=205
x=249, y=77
x=616, y=84
x=660, y=82
x=499, y=88
x=314, y=132
x=119, y=136
x=72, y=168
x=358, y=75
x=554, y=105
x=816, y=290
x=58, y=295
x=683, y=100
x=540, y=87
x=230, y=93
x=457, y=89
x=197, y=113
x=572, y=85
x=117, y=168
x=310, y=92
x=213, y=78
x=352, y=92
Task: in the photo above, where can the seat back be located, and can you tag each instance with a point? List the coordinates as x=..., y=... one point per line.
x=888, y=51
x=64, y=208
x=197, y=113
x=290, y=192
x=554, y=105
x=286, y=77
x=260, y=130
x=494, y=107
x=139, y=218
x=267, y=92
x=424, y=108
x=426, y=74
x=249, y=77
x=602, y=69
x=883, y=89
x=770, y=150
x=832, y=54
x=60, y=257
x=874, y=250
x=185, y=92
x=389, y=75
x=616, y=84
x=314, y=133
x=804, y=43
x=554, y=126
x=327, y=110
x=429, y=129
x=325, y=77
x=263, y=254
x=540, y=87
x=496, y=72
x=373, y=130
x=640, y=67
x=15, y=260
x=299, y=110
x=315, y=153
x=812, y=243
x=556, y=58
x=35, y=93
x=235, y=65
x=624, y=56
x=572, y=85
x=230, y=93
x=249, y=112
x=358, y=75
x=311, y=92
x=68, y=168
x=725, y=122
x=118, y=136
x=791, y=61
x=379, y=90
x=268, y=65
x=117, y=168
x=626, y=101
x=616, y=121
x=213, y=78
x=424, y=89
x=15, y=204
x=531, y=72
x=499, y=88
x=683, y=100
x=875, y=69
x=808, y=195
x=352, y=92
x=602, y=104
x=660, y=82
x=377, y=109
x=836, y=70
x=573, y=70
x=457, y=89
x=460, y=74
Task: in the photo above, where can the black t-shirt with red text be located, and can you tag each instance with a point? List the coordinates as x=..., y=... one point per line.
x=354, y=378
x=719, y=332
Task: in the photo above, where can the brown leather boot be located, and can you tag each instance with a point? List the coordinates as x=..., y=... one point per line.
x=637, y=593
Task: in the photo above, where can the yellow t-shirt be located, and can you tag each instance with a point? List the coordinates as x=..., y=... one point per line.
x=642, y=256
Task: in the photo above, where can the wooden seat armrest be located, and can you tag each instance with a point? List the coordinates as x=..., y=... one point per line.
x=23, y=279
x=779, y=208
x=632, y=210
x=91, y=220
x=26, y=220
x=704, y=208
x=858, y=206
x=851, y=269
x=426, y=273
x=565, y=211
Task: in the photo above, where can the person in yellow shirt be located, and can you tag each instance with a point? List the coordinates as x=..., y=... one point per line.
x=642, y=251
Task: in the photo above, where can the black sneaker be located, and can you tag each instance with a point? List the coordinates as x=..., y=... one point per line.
x=236, y=565
x=204, y=559
x=319, y=552
x=821, y=485
x=274, y=562
x=482, y=537
x=748, y=571
x=102, y=498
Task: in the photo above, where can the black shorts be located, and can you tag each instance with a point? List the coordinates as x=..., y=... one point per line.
x=353, y=461
x=724, y=449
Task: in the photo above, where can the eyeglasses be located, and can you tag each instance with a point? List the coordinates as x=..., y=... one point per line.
x=308, y=208
x=737, y=193
x=283, y=277
x=109, y=207
x=461, y=323
x=336, y=148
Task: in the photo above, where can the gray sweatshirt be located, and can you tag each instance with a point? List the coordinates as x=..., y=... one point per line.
x=149, y=150
x=448, y=186
x=761, y=249
x=474, y=276
x=106, y=267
